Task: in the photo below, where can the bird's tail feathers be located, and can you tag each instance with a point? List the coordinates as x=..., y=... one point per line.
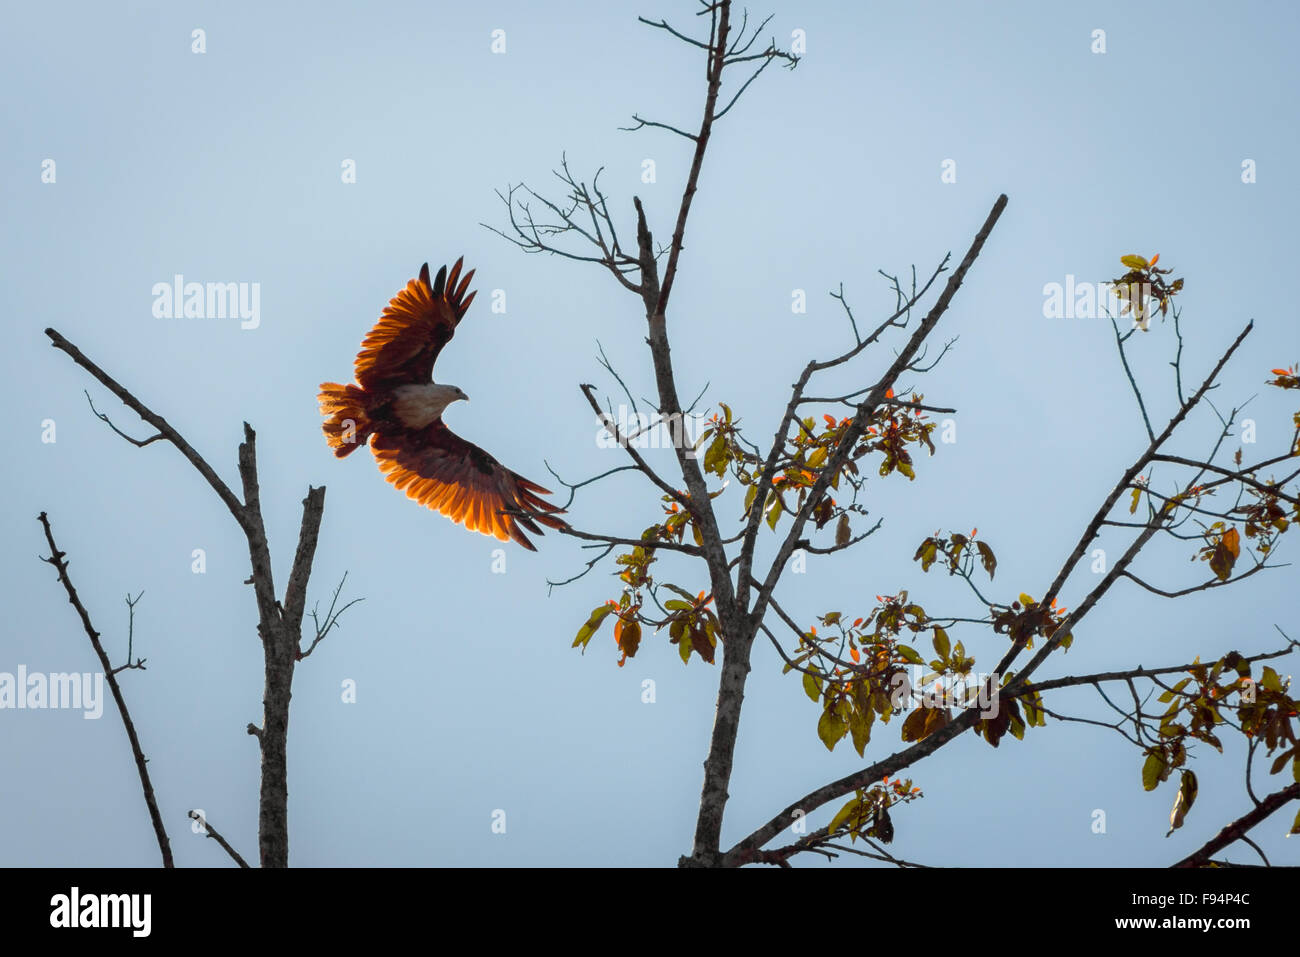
x=346, y=423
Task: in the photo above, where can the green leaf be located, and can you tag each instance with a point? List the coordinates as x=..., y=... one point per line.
x=797, y=660
x=1017, y=728
x=830, y=728
x=860, y=728
x=680, y=591
x=927, y=554
x=812, y=686
x=1039, y=718
x=842, y=816
x=774, y=513
x=1279, y=762
x=1152, y=768
x=715, y=459
x=910, y=655
x=941, y=643
x=586, y=632
x=986, y=556
x=1134, y=262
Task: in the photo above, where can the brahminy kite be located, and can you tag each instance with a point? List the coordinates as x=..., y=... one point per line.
x=397, y=407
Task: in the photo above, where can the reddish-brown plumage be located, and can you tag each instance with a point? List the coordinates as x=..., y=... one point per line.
x=394, y=399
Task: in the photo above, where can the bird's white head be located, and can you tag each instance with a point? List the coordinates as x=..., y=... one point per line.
x=419, y=405
x=451, y=392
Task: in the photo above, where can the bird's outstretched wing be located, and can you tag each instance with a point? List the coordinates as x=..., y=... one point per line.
x=440, y=470
x=417, y=323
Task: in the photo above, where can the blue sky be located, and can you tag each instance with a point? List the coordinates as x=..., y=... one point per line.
x=225, y=166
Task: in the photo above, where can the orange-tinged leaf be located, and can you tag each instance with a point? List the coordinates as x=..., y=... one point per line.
x=631, y=639
x=1155, y=259
x=889, y=393
x=1224, y=554
x=916, y=725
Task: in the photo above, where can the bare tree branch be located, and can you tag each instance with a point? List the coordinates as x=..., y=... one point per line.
x=212, y=832
x=278, y=627
x=1240, y=827
x=58, y=560
x=157, y=421
x=331, y=618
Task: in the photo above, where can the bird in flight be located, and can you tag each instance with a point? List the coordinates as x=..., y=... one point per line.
x=397, y=408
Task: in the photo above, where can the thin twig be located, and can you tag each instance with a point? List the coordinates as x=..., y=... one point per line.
x=212, y=832
x=57, y=559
